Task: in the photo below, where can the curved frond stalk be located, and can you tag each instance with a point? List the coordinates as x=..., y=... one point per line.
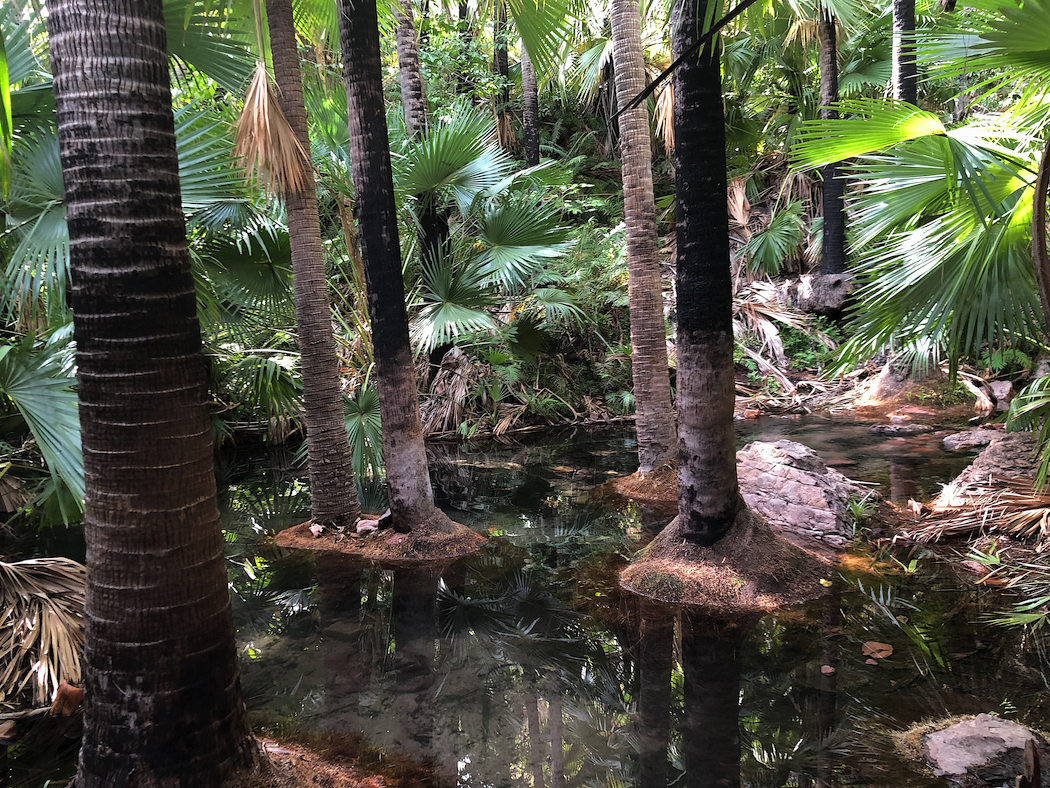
x=41, y=627
x=269, y=151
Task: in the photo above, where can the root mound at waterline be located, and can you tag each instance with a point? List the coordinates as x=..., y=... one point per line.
x=434, y=539
x=657, y=486
x=749, y=570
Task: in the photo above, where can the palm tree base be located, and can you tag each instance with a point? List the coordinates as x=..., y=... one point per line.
x=658, y=486
x=435, y=539
x=749, y=570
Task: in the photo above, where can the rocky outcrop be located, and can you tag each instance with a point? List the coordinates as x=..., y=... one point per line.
x=789, y=484
x=971, y=439
x=819, y=294
x=982, y=751
x=1010, y=454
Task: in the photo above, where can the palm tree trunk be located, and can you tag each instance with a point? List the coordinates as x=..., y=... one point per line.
x=1039, y=253
x=333, y=492
x=554, y=723
x=657, y=440
x=530, y=97
x=408, y=480
x=708, y=496
x=536, y=748
x=655, y=660
x=905, y=73
x=501, y=66
x=413, y=93
x=833, y=252
x=464, y=79
x=163, y=698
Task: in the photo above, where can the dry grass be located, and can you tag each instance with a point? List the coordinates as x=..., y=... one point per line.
x=269, y=151
x=41, y=627
x=1009, y=505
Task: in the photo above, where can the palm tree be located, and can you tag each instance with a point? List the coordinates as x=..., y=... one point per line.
x=530, y=108
x=159, y=644
x=413, y=92
x=657, y=441
x=332, y=486
x=411, y=496
x=833, y=250
x=905, y=74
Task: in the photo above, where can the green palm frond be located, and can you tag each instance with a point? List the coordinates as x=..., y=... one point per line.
x=270, y=388
x=558, y=306
x=1005, y=39
x=518, y=237
x=1030, y=411
x=6, y=122
x=544, y=25
x=453, y=302
x=867, y=125
x=770, y=247
x=41, y=627
x=39, y=381
x=202, y=34
x=364, y=427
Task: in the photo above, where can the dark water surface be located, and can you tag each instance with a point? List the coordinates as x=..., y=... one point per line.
x=524, y=665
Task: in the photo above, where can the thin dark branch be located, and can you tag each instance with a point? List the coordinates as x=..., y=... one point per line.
x=652, y=86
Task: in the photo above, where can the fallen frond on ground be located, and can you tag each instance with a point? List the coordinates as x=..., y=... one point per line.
x=1006, y=505
x=41, y=628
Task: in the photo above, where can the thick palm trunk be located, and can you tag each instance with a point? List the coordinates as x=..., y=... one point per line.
x=652, y=385
x=163, y=700
x=905, y=73
x=411, y=496
x=833, y=251
x=501, y=66
x=332, y=488
x=708, y=497
x=464, y=80
x=656, y=660
x=530, y=98
x=413, y=93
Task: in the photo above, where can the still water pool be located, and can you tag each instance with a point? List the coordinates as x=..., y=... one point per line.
x=524, y=665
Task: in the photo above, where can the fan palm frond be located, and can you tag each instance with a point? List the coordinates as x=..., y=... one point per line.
x=41, y=626
x=363, y=424
x=453, y=302
x=517, y=238
x=202, y=34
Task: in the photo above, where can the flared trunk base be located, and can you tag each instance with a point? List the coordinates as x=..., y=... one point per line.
x=751, y=569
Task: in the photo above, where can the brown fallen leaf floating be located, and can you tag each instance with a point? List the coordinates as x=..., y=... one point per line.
x=871, y=662
x=876, y=650
x=827, y=670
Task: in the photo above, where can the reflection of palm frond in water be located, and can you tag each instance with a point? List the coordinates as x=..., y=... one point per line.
x=41, y=626
x=1007, y=505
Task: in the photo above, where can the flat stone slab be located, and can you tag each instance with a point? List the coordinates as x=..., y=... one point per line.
x=789, y=484
x=970, y=439
x=899, y=429
x=982, y=751
x=1009, y=454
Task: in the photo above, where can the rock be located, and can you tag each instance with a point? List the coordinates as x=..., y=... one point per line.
x=1009, y=454
x=1004, y=392
x=791, y=486
x=899, y=429
x=970, y=439
x=982, y=751
x=824, y=294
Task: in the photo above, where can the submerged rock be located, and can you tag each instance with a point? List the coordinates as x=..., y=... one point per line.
x=1011, y=454
x=791, y=486
x=899, y=429
x=970, y=439
x=983, y=751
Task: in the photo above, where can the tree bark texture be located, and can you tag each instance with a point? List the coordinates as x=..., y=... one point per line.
x=1039, y=254
x=163, y=700
x=537, y=749
x=332, y=488
x=530, y=97
x=833, y=250
x=408, y=480
x=654, y=419
x=501, y=66
x=464, y=79
x=413, y=93
x=708, y=495
x=905, y=71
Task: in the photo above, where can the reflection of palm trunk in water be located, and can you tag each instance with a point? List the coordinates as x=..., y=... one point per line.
x=414, y=630
x=830, y=636
x=711, y=727
x=536, y=748
x=346, y=663
x=557, y=753
x=655, y=660
x=903, y=484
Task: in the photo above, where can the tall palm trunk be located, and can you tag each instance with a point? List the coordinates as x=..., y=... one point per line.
x=652, y=386
x=413, y=93
x=708, y=496
x=833, y=252
x=501, y=66
x=332, y=488
x=530, y=98
x=163, y=699
x=905, y=73
x=464, y=79
x=411, y=496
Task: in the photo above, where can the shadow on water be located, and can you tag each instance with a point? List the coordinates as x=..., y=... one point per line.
x=525, y=665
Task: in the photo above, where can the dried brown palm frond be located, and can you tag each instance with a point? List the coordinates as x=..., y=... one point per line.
x=270, y=153
x=453, y=383
x=41, y=627
x=1009, y=505
x=665, y=116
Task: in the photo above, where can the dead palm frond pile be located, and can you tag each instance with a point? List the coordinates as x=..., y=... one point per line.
x=1006, y=505
x=41, y=627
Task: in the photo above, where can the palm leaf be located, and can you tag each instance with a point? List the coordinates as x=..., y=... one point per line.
x=39, y=380
x=543, y=25
x=364, y=427
x=453, y=300
x=41, y=626
x=517, y=238
x=201, y=34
